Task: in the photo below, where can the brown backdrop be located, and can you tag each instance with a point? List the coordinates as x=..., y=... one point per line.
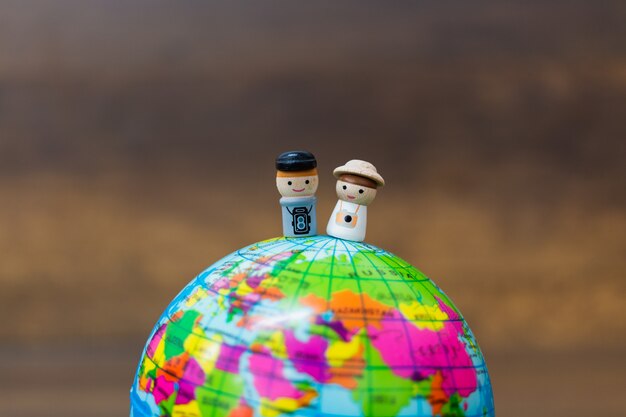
x=137, y=142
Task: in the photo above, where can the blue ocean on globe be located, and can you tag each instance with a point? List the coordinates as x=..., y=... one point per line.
x=313, y=326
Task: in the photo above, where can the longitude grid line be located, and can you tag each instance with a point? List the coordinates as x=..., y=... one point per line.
x=286, y=242
x=205, y=326
x=483, y=392
x=371, y=248
x=177, y=301
x=271, y=380
x=392, y=296
x=326, y=329
x=305, y=273
x=246, y=269
x=391, y=258
x=369, y=348
x=211, y=269
x=249, y=255
x=243, y=329
x=293, y=301
x=220, y=390
x=437, y=333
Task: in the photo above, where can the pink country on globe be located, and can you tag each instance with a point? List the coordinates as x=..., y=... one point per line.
x=313, y=326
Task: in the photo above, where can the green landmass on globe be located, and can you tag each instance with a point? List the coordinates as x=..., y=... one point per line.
x=311, y=326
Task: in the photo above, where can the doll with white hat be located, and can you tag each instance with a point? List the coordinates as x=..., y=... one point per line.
x=357, y=182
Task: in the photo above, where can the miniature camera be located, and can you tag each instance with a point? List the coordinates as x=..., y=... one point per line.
x=301, y=221
x=346, y=219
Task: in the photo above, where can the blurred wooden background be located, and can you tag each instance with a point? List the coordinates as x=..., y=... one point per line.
x=137, y=144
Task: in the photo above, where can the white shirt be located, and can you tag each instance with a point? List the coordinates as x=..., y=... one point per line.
x=348, y=221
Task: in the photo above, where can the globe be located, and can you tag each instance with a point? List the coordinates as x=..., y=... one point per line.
x=314, y=326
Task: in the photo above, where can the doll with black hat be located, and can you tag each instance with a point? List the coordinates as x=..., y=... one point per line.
x=297, y=181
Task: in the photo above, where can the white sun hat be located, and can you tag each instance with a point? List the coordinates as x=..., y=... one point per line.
x=360, y=168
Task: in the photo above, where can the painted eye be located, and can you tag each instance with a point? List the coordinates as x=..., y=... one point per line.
x=361, y=191
x=289, y=182
x=344, y=187
x=306, y=182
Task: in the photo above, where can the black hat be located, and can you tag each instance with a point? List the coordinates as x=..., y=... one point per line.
x=295, y=161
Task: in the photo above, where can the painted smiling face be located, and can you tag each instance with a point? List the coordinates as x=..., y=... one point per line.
x=354, y=191
x=291, y=184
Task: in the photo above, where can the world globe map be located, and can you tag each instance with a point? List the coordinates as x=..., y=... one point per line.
x=314, y=326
